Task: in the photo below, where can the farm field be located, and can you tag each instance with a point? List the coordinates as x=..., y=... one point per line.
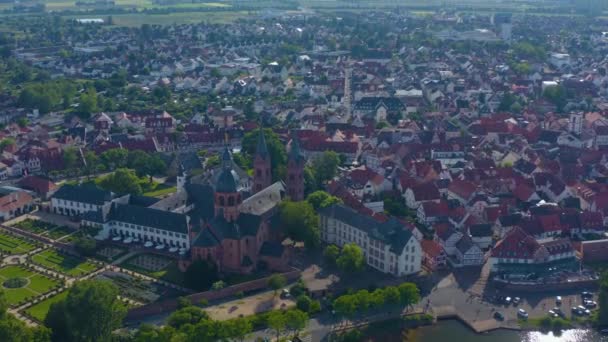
x=64, y=263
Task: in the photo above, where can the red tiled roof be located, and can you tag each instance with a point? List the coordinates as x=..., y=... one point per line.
x=14, y=201
x=462, y=188
x=517, y=244
x=431, y=248
x=37, y=184
x=425, y=192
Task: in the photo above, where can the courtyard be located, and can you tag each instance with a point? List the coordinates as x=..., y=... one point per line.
x=21, y=284
x=38, y=227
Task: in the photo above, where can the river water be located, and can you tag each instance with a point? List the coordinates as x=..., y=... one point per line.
x=451, y=330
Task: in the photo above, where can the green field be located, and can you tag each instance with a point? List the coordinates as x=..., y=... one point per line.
x=37, y=284
x=15, y=245
x=40, y=310
x=64, y=263
x=161, y=190
x=49, y=230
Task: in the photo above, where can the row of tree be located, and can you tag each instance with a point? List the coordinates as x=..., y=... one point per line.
x=406, y=294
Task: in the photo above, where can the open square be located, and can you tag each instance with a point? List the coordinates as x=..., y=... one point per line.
x=64, y=263
x=13, y=245
x=21, y=284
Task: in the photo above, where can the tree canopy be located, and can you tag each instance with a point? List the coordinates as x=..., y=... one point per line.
x=321, y=199
x=90, y=312
x=300, y=222
x=123, y=181
x=276, y=149
x=325, y=167
x=351, y=258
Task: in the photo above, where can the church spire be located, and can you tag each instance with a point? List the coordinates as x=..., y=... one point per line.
x=261, y=149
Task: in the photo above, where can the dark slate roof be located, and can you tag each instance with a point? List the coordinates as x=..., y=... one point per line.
x=272, y=249
x=205, y=239
x=549, y=136
x=228, y=181
x=480, y=230
x=142, y=201
x=83, y=193
x=391, y=232
x=261, y=149
x=201, y=195
x=524, y=166
x=295, y=154
x=159, y=219
x=245, y=225
x=510, y=220
x=464, y=244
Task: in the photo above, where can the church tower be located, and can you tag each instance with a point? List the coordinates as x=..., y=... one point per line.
x=295, y=171
x=262, y=177
x=227, y=198
x=182, y=177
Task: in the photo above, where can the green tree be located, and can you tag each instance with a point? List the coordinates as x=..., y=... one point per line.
x=556, y=95
x=72, y=318
x=321, y=199
x=331, y=254
x=85, y=245
x=122, y=181
x=200, y=275
x=602, y=316
x=351, y=258
x=115, y=158
x=296, y=320
x=276, y=149
x=238, y=328
x=70, y=157
x=276, y=282
x=91, y=163
x=409, y=294
x=88, y=103
x=300, y=222
x=218, y=285
x=277, y=322
x=186, y=315
x=325, y=167
x=345, y=305
x=6, y=142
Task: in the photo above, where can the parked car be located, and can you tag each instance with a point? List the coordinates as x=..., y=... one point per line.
x=558, y=311
x=558, y=300
x=516, y=300
x=499, y=316
x=508, y=300
x=589, y=304
x=521, y=313
x=577, y=311
x=553, y=314
x=587, y=295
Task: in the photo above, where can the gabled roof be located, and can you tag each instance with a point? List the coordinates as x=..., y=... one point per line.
x=517, y=244
x=261, y=148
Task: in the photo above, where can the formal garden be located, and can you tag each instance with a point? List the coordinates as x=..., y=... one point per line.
x=155, y=266
x=52, y=231
x=64, y=263
x=140, y=290
x=13, y=245
x=110, y=253
x=21, y=284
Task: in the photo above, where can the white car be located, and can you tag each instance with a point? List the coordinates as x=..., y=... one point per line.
x=116, y=238
x=522, y=314
x=558, y=300
x=159, y=247
x=148, y=244
x=173, y=249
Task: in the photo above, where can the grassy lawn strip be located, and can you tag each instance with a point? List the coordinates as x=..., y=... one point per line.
x=63, y=263
x=40, y=310
x=160, y=190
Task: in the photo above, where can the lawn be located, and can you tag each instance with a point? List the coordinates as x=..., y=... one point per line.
x=160, y=190
x=170, y=273
x=14, y=245
x=40, y=310
x=64, y=263
x=36, y=284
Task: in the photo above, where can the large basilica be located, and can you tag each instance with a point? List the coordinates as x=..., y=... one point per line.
x=240, y=231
